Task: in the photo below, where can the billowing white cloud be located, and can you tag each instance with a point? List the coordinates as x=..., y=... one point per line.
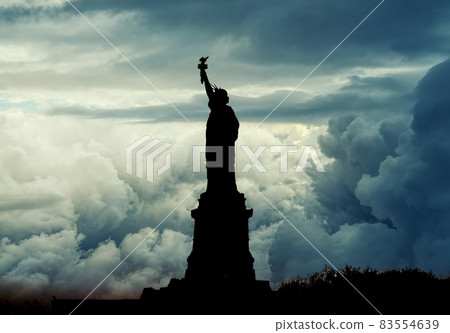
x=69, y=213
x=53, y=264
x=51, y=182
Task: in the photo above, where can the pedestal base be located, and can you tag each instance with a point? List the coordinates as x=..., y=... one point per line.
x=221, y=252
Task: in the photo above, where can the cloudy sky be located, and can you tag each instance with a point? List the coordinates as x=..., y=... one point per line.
x=376, y=112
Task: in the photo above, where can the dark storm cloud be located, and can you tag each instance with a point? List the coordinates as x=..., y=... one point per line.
x=274, y=33
x=373, y=97
x=357, y=148
x=302, y=32
x=412, y=188
x=362, y=96
x=383, y=201
x=250, y=43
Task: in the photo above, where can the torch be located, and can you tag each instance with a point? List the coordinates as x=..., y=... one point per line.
x=202, y=66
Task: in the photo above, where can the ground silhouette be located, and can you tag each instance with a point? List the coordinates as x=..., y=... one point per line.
x=406, y=291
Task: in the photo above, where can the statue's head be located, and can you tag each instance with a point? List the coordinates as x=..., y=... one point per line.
x=221, y=95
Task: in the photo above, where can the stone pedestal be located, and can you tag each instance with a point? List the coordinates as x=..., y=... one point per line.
x=221, y=245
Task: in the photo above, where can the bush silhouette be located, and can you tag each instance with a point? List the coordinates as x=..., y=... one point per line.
x=404, y=291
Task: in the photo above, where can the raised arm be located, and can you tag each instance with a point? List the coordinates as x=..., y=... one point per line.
x=204, y=78
x=208, y=88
